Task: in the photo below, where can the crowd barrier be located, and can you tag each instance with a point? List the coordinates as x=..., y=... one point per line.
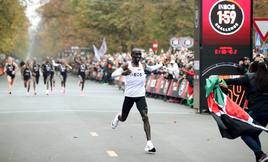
x=175, y=88
x=158, y=85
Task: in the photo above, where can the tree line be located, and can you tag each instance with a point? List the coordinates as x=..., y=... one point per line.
x=83, y=22
x=13, y=27
x=123, y=23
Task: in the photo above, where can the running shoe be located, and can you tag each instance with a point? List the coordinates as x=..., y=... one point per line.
x=115, y=121
x=264, y=158
x=62, y=90
x=47, y=92
x=82, y=94
x=149, y=148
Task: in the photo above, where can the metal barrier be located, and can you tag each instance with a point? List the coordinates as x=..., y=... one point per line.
x=157, y=84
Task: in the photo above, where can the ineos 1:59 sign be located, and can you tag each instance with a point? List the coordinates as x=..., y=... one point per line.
x=226, y=22
x=226, y=17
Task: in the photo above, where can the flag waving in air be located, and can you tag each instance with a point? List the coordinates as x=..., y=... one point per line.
x=232, y=120
x=103, y=48
x=96, y=53
x=99, y=53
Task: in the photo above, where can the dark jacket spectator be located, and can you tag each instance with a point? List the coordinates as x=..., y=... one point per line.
x=257, y=94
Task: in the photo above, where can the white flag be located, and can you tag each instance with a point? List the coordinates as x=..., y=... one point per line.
x=103, y=48
x=96, y=53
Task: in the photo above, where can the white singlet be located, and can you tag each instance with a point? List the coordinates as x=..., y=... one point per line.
x=135, y=82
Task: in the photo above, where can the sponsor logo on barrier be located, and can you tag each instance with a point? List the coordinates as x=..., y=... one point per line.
x=162, y=84
x=153, y=83
x=183, y=88
x=166, y=86
x=148, y=81
x=175, y=86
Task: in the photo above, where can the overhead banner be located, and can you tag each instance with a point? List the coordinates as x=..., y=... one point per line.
x=225, y=37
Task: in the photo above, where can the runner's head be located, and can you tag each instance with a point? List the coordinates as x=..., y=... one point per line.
x=28, y=63
x=83, y=60
x=136, y=55
x=34, y=60
x=9, y=60
x=47, y=60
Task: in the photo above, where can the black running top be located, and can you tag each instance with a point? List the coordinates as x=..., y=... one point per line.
x=10, y=68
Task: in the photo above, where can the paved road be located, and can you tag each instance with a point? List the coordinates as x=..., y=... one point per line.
x=70, y=128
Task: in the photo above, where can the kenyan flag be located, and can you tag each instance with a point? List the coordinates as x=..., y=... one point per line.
x=232, y=120
x=190, y=96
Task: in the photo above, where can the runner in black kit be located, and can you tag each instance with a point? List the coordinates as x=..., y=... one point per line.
x=53, y=72
x=47, y=68
x=81, y=72
x=63, y=67
x=27, y=74
x=10, y=69
x=63, y=73
x=35, y=74
x=135, y=93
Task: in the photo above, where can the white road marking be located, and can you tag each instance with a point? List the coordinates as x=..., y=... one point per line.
x=94, y=134
x=111, y=153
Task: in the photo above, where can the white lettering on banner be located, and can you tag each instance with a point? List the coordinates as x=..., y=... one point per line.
x=226, y=29
x=182, y=87
x=166, y=87
x=226, y=7
x=153, y=83
x=162, y=84
x=175, y=87
x=148, y=81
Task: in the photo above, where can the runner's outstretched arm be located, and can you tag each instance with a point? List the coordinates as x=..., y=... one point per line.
x=154, y=67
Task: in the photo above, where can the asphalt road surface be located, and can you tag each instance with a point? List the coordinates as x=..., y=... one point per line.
x=71, y=128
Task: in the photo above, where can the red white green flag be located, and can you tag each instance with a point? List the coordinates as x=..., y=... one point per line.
x=232, y=120
x=190, y=96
